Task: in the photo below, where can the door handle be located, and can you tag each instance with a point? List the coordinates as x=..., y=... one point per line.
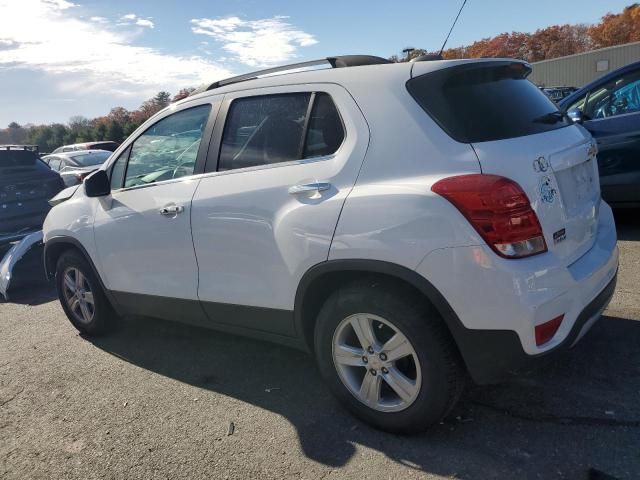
x=171, y=210
x=310, y=187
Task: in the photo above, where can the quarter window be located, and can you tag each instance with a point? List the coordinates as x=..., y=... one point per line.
x=578, y=104
x=54, y=163
x=279, y=128
x=168, y=149
x=118, y=169
x=325, y=133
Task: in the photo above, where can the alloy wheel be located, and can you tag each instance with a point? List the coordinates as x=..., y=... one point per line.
x=78, y=295
x=376, y=362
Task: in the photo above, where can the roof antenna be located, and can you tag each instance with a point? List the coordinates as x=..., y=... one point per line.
x=451, y=30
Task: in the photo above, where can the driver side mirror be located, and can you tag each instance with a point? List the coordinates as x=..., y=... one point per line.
x=576, y=115
x=97, y=184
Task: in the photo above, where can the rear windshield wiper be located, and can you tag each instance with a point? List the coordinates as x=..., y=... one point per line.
x=551, y=117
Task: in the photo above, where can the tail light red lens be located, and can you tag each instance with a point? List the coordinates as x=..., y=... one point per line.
x=546, y=331
x=499, y=211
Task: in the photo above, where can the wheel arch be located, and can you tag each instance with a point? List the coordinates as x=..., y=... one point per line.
x=56, y=246
x=322, y=279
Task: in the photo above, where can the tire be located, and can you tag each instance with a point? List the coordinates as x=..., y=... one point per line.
x=433, y=367
x=101, y=317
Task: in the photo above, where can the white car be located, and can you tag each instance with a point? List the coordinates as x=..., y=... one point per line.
x=406, y=223
x=74, y=166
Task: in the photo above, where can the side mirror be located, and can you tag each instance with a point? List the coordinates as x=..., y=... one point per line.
x=97, y=184
x=576, y=115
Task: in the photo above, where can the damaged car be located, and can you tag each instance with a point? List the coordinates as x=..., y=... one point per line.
x=26, y=185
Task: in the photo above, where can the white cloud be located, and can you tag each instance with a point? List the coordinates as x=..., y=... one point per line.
x=99, y=20
x=261, y=42
x=133, y=19
x=143, y=22
x=83, y=55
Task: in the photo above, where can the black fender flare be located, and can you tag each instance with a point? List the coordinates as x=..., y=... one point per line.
x=478, y=348
x=373, y=266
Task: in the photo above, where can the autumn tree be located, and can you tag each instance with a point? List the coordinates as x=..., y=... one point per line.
x=184, y=93
x=616, y=29
x=556, y=40
x=559, y=41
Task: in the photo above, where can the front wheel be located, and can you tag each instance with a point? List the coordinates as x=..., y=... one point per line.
x=387, y=356
x=81, y=295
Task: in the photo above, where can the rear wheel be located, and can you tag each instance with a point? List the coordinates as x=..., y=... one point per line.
x=387, y=357
x=81, y=295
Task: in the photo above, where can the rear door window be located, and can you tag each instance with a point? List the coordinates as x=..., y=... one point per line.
x=278, y=128
x=482, y=102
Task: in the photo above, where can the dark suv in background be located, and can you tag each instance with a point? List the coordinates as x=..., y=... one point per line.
x=26, y=185
x=610, y=109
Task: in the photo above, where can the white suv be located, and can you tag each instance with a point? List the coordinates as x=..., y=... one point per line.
x=407, y=223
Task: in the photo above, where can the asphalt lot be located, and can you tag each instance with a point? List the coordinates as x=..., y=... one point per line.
x=156, y=400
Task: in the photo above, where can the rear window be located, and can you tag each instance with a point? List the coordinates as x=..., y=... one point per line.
x=487, y=101
x=17, y=158
x=93, y=158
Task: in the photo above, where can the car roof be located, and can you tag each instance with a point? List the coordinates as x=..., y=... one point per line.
x=599, y=81
x=78, y=153
x=381, y=74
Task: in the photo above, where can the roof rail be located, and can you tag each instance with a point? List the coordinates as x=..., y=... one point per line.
x=342, y=61
x=30, y=148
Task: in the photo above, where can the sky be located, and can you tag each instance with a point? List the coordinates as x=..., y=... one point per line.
x=60, y=58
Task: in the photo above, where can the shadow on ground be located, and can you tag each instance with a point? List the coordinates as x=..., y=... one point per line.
x=628, y=224
x=576, y=417
x=562, y=420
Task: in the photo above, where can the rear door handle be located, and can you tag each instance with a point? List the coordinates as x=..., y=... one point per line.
x=310, y=187
x=171, y=210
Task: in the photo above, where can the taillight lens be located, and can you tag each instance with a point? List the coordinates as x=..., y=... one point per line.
x=499, y=211
x=545, y=331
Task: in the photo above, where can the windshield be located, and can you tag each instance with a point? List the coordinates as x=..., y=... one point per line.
x=479, y=102
x=89, y=159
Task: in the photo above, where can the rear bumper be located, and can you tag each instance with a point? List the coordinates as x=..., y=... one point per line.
x=498, y=303
x=493, y=355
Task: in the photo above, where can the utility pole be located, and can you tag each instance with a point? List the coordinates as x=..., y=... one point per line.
x=408, y=51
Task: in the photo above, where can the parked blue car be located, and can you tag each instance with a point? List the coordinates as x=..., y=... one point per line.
x=609, y=108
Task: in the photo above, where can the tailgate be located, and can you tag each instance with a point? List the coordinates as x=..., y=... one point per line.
x=518, y=133
x=558, y=172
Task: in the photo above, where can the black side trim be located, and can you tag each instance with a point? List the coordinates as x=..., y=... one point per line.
x=52, y=249
x=270, y=320
x=176, y=309
x=256, y=322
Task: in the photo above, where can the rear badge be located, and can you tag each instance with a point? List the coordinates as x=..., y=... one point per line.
x=547, y=192
x=559, y=236
x=540, y=165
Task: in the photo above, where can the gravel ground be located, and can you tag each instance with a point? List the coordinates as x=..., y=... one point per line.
x=163, y=400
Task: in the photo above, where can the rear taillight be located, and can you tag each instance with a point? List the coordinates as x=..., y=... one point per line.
x=545, y=331
x=499, y=211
